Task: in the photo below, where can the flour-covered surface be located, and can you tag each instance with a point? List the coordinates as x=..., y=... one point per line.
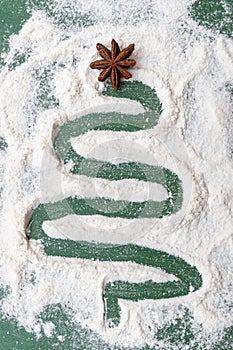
x=184, y=52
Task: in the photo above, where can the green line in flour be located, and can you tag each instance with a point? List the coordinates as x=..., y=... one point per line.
x=187, y=275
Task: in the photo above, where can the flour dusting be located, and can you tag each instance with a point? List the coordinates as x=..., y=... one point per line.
x=190, y=69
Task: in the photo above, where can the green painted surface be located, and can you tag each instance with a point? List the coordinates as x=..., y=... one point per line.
x=74, y=337
x=12, y=16
x=216, y=15
x=66, y=17
x=3, y=144
x=212, y=14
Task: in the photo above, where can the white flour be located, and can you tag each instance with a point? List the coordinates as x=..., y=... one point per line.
x=189, y=73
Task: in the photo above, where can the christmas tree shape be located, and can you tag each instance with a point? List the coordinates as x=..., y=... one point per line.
x=188, y=277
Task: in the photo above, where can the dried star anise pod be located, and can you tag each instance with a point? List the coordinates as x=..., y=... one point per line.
x=114, y=63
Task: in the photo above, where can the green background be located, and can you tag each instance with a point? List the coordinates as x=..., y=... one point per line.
x=212, y=14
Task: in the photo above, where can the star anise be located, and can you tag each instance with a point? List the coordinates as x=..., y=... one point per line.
x=114, y=63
